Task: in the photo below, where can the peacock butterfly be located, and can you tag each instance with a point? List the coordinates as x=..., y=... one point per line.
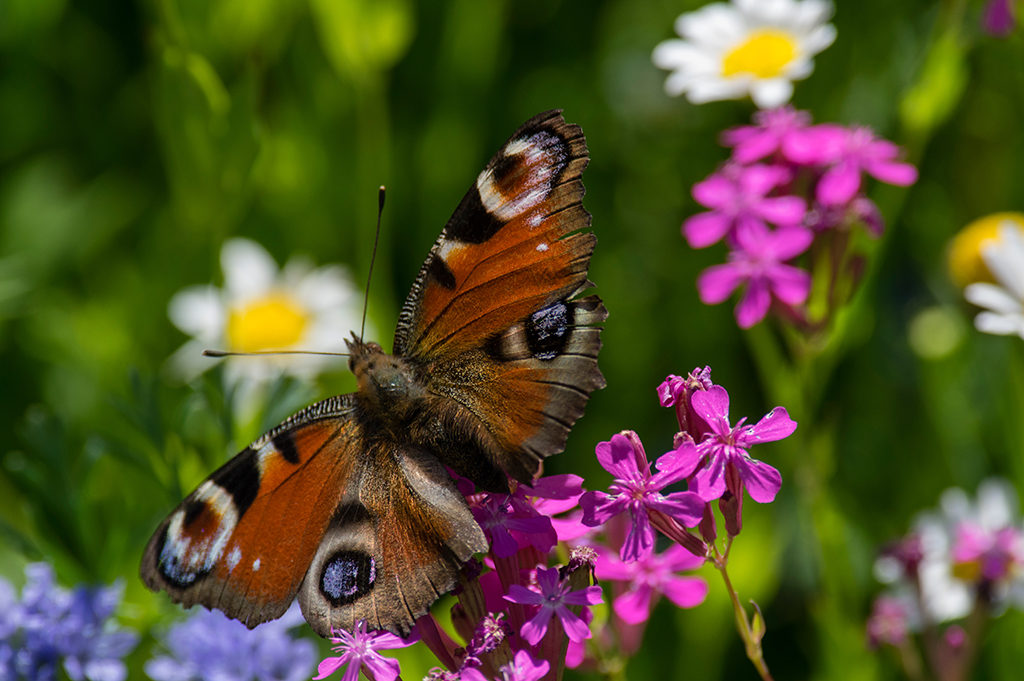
x=348, y=504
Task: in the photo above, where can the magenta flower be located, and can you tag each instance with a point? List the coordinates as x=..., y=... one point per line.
x=998, y=18
x=650, y=577
x=523, y=667
x=982, y=554
x=759, y=262
x=675, y=391
x=510, y=523
x=358, y=650
x=738, y=197
x=775, y=131
x=552, y=596
x=726, y=447
x=636, y=490
x=851, y=151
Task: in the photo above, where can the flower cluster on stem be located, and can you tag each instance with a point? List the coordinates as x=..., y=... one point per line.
x=531, y=608
x=786, y=204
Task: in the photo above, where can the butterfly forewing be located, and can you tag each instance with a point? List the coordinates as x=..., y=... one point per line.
x=495, y=316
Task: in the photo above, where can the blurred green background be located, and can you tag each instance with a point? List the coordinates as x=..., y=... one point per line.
x=137, y=136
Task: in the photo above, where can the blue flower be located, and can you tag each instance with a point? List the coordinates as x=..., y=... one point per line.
x=210, y=647
x=52, y=628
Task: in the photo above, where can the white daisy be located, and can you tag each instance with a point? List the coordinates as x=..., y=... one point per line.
x=1004, y=299
x=261, y=307
x=755, y=47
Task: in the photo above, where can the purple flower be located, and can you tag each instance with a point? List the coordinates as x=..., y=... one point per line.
x=775, y=131
x=646, y=579
x=553, y=597
x=52, y=628
x=209, y=646
x=738, y=197
x=523, y=667
x=636, y=490
x=998, y=18
x=358, y=650
x=726, y=447
x=851, y=151
x=510, y=523
x=759, y=262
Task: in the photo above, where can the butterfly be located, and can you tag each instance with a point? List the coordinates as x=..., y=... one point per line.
x=348, y=505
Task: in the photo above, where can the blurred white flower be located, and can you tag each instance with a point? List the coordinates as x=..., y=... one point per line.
x=746, y=47
x=946, y=595
x=261, y=307
x=1004, y=299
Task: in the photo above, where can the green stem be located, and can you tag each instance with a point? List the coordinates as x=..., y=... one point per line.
x=751, y=642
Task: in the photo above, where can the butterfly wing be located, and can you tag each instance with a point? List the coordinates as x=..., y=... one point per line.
x=300, y=511
x=495, y=317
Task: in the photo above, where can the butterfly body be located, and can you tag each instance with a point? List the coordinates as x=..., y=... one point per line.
x=348, y=504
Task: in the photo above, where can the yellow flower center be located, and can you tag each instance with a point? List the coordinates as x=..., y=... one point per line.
x=966, y=265
x=764, y=54
x=967, y=571
x=275, y=322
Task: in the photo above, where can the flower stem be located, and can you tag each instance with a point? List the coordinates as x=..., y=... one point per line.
x=751, y=641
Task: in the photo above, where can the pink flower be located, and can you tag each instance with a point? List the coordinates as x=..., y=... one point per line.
x=738, y=197
x=648, y=578
x=851, y=151
x=675, y=392
x=889, y=622
x=636, y=490
x=523, y=667
x=759, y=262
x=359, y=650
x=980, y=554
x=726, y=447
x=775, y=131
x=552, y=596
x=998, y=18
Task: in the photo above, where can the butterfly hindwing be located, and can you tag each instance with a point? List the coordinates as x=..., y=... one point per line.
x=395, y=545
x=494, y=315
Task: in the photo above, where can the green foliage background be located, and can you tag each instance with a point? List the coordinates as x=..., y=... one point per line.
x=137, y=136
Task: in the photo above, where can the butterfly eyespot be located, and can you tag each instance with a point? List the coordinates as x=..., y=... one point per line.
x=347, y=576
x=547, y=331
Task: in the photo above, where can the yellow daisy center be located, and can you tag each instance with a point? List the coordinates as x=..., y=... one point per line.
x=274, y=322
x=764, y=54
x=966, y=265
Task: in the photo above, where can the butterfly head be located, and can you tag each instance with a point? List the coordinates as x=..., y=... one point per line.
x=387, y=383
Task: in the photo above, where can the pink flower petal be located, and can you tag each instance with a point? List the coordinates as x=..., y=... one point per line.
x=716, y=191
x=517, y=593
x=705, y=229
x=685, y=507
x=717, y=282
x=891, y=172
x=711, y=479
x=634, y=606
x=575, y=628
x=776, y=425
x=329, y=665
x=685, y=592
x=616, y=456
x=790, y=241
x=534, y=630
x=640, y=540
x=783, y=210
x=712, y=405
x=598, y=507
x=590, y=595
x=761, y=480
x=679, y=463
x=790, y=284
x=839, y=184
x=754, y=304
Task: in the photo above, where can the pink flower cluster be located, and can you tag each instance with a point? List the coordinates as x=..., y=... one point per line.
x=787, y=186
x=525, y=617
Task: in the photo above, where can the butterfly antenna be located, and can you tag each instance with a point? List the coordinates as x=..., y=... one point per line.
x=228, y=353
x=373, y=258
